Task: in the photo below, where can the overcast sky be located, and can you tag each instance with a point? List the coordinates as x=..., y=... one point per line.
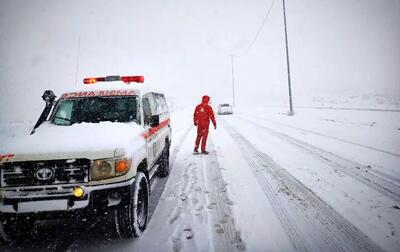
x=337, y=47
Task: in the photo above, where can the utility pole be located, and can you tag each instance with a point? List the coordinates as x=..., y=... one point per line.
x=287, y=61
x=77, y=59
x=233, y=82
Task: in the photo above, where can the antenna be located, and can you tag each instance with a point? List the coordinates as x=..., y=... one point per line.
x=77, y=59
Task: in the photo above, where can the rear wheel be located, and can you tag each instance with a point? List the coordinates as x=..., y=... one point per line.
x=163, y=169
x=131, y=219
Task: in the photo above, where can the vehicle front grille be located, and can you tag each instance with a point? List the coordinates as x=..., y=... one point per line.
x=49, y=172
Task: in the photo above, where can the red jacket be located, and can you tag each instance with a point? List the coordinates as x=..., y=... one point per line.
x=203, y=114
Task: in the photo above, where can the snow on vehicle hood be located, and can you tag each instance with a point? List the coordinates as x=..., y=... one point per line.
x=84, y=140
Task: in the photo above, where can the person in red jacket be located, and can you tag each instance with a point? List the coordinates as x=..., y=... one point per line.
x=201, y=118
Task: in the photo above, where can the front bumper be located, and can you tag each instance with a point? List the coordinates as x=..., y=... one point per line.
x=225, y=112
x=60, y=200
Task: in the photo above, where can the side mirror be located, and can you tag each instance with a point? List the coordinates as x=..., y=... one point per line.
x=154, y=121
x=49, y=97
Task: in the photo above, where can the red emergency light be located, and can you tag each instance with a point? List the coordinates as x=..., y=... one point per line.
x=126, y=79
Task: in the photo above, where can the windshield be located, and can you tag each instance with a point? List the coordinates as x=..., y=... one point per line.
x=95, y=109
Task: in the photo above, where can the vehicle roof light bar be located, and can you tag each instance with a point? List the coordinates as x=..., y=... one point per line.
x=126, y=79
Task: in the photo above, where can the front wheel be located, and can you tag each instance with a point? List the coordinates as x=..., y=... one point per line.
x=131, y=219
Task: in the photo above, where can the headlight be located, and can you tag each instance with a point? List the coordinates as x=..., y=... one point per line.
x=109, y=168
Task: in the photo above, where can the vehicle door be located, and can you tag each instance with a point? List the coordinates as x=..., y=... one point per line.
x=160, y=111
x=150, y=135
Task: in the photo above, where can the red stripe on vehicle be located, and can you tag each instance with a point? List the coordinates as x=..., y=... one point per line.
x=154, y=130
x=6, y=158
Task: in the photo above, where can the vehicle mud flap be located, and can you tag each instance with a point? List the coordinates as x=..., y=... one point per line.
x=163, y=170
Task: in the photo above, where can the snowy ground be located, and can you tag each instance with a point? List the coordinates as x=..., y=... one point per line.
x=322, y=180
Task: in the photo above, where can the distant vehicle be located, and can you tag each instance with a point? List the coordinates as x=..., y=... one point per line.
x=225, y=109
x=94, y=153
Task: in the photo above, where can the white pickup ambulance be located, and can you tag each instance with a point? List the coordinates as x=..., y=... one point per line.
x=92, y=151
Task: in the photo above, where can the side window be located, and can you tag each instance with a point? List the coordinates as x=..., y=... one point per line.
x=157, y=103
x=160, y=104
x=164, y=103
x=146, y=110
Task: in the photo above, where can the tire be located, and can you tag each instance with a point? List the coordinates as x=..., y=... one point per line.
x=17, y=228
x=163, y=169
x=131, y=219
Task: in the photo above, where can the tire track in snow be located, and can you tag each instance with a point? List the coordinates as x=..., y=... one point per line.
x=282, y=213
x=185, y=177
x=225, y=224
x=201, y=196
x=356, y=109
x=353, y=169
x=176, y=207
x=178, y=145
x=158, y=184
x=311, y=224
x=333, y=137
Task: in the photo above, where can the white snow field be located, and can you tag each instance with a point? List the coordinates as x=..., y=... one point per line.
x=321, y=180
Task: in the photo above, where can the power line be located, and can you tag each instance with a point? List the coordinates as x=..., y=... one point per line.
x=287, y=53
x=249, y=48
x=259, y=30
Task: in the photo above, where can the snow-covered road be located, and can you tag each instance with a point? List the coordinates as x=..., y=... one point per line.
x=312, y=182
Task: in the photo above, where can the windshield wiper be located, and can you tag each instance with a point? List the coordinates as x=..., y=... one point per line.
x=63, y=118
